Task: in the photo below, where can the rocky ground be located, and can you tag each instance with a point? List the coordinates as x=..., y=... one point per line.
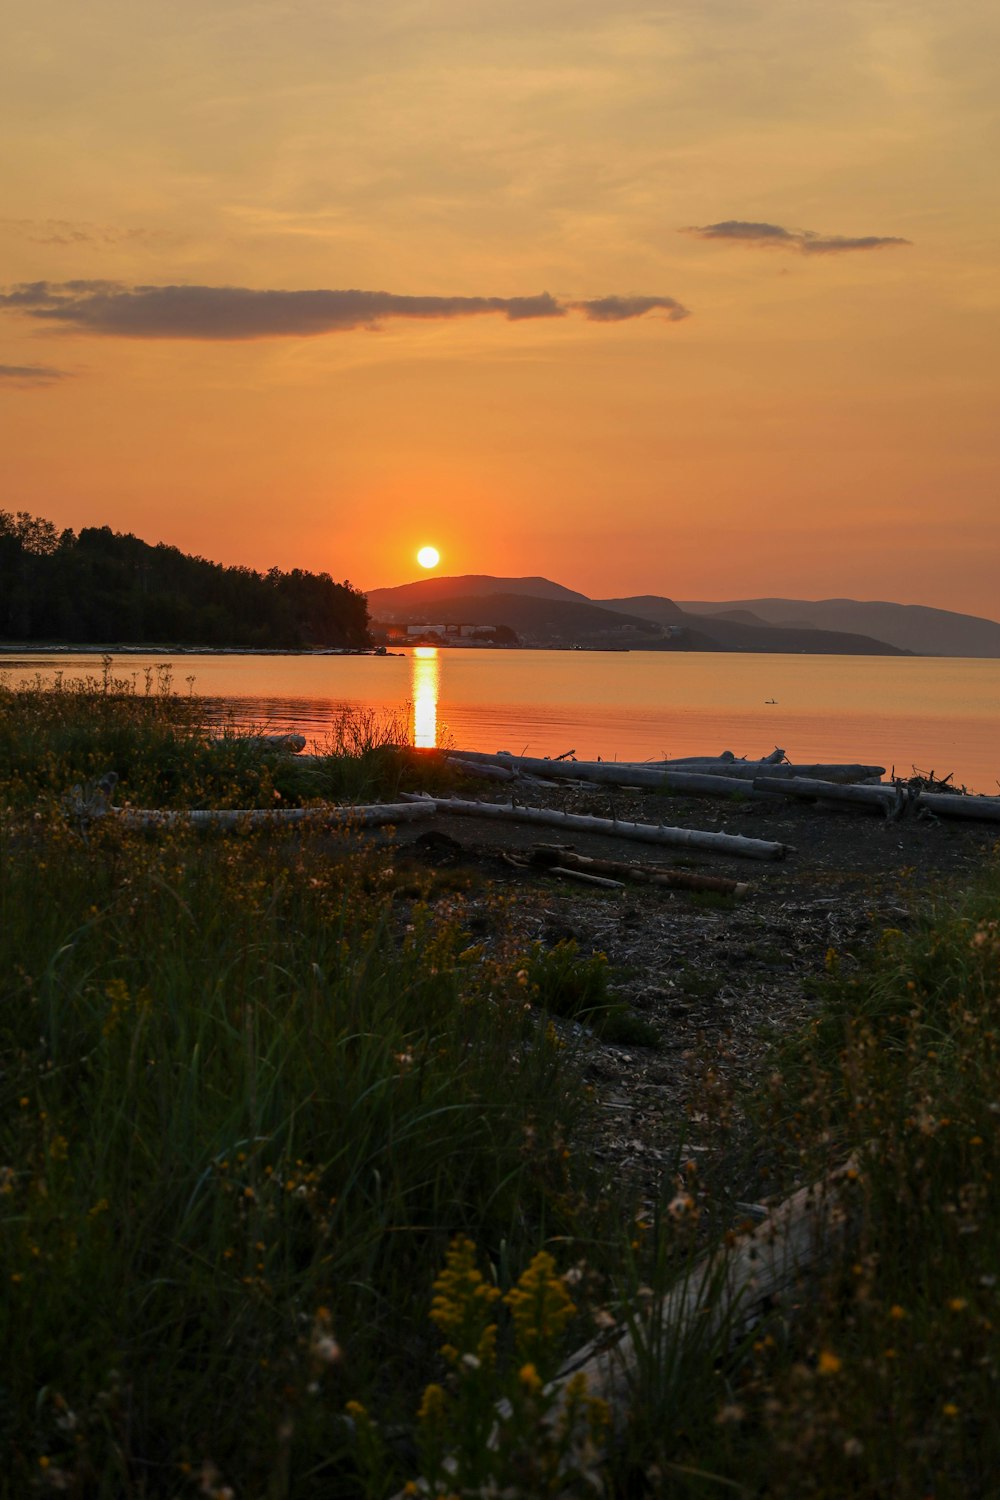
x=718, y=980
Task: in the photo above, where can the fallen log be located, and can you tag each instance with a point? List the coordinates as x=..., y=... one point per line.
x=954, y=805
x=483, y=770
x=723, y=1295
x=550, y=855
x=716, y=1303
x=649, y=833
x=327, y=816
x=750, y=769
x=612, y=773
x=655, y=774
x=882, y=798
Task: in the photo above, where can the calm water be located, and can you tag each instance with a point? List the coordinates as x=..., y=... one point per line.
x=926, y=712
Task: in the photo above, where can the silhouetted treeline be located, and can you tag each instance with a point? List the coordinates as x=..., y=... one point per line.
x=101, y=586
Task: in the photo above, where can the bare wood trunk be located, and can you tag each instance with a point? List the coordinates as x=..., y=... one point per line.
x=326, y=816
x=481, y=769
x=952, y=805
x=649, y=833
x=730, y=1287
x=615, y=773
x=881, y=798
x=655, y=774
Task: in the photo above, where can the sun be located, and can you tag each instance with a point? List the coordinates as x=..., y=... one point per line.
x=428, y=557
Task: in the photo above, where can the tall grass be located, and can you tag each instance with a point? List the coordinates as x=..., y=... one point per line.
x=167, y=751
x=240, y=1087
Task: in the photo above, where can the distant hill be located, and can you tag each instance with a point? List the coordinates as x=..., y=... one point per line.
x=545, y=613
x=740, y=630
x=648, y=607
x=395, y=604
x=911, y=627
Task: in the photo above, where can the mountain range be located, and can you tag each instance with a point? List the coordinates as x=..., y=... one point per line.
x=544, y=613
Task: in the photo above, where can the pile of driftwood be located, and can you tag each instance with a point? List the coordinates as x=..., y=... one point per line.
x=826, y=785
x=858, y=787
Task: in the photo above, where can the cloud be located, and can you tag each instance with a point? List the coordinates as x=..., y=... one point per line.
x=806, y=241
x=619, y=309
x=231, y=312
x=30, y=375
x=75, y=232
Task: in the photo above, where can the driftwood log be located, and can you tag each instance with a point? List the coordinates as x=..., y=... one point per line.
x=885, y=799
x=327, y=816
x=728, y=1290
x=693, y=782
x=654, y=773
x=556, y=857
x=648, y=833
x=954, y=805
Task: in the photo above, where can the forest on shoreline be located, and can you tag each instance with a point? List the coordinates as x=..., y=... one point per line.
x=104, y=585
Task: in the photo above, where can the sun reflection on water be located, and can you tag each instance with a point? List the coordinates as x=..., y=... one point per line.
x=424, y=695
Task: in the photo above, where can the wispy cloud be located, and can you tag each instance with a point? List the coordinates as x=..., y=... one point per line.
x=30, y=375
x=230, y=312
x=805, y=241
x=72, y=232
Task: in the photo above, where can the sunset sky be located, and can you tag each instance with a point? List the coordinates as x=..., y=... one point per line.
x=696, y=298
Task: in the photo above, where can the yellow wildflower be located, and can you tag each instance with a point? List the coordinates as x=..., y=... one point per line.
x=432, y=1407
x=829, y=1363
x=462, y=1297
x=541, y=1307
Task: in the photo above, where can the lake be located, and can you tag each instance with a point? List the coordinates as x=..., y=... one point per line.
x=932, y=713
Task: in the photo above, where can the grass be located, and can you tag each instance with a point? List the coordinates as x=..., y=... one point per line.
x=255, y=1090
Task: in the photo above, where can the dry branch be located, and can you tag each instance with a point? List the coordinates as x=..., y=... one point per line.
x=549, y=855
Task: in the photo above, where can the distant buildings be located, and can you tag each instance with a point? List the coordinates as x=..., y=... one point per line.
x=446, y=633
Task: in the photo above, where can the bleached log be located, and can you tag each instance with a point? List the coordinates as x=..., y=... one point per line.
x=842, y=774
x=327, y=816
x=724, y=1294
x=548, y=855
x=649, y=833
x=481, y=769
x=953, y=805
x=653, y=774
x=882, y=798
x=615, y=773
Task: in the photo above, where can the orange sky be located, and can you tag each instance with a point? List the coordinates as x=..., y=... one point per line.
x=822, y=421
